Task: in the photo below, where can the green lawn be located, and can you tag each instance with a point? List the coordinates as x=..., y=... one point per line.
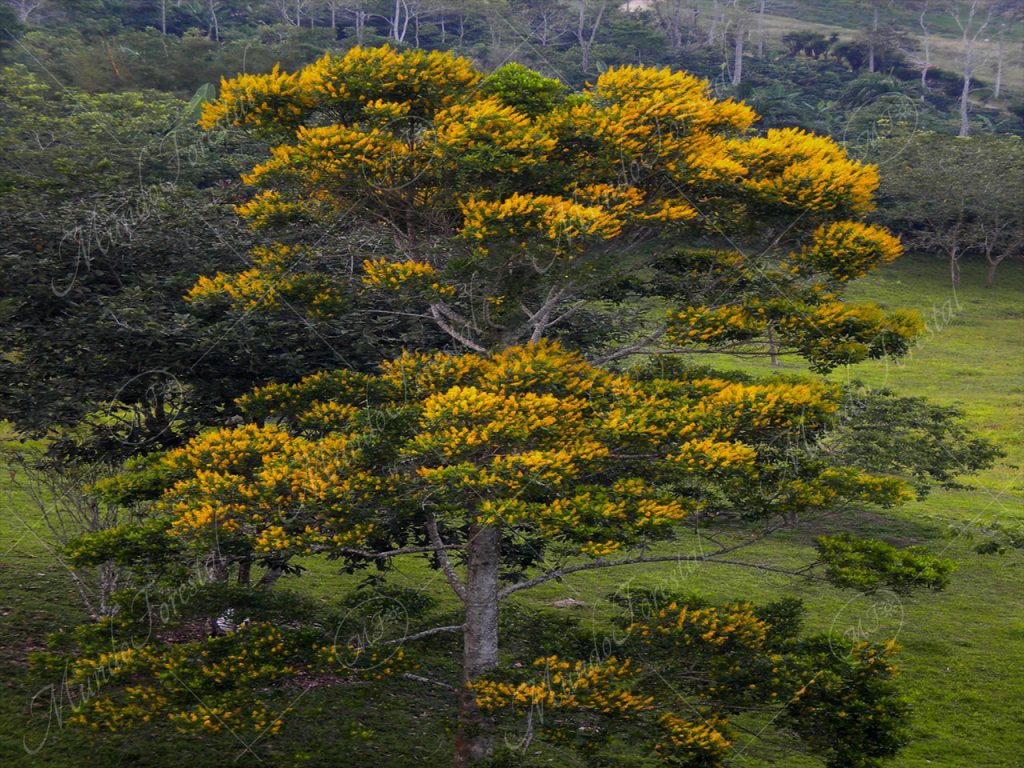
x=961, y=649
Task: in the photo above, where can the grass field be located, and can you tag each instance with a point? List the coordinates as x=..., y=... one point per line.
x=961, y=649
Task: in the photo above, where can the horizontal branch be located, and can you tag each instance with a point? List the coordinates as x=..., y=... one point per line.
x=426, y=681
x=425, y=633
x=597, y=564
x=368, y=555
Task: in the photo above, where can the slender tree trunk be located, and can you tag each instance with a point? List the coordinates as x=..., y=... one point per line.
x=737, y=59
x=163, y=17
x=926, y=44
x=214, y=24
x=871, y=42
x=760, y=29
x=360, y=18
x=954, y=266
x=244, y=573
x=997, y=88
x=968, y=41
x=473, y=741
x=715, y=17
x=586, y=40
x=965, y=92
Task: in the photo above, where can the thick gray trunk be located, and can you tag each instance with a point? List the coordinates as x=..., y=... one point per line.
x=474, y=741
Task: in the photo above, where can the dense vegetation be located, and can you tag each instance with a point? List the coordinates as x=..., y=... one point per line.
x=470, y=330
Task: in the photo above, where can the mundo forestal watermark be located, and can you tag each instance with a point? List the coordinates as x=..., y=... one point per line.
x=57, y=703
x=866, y=618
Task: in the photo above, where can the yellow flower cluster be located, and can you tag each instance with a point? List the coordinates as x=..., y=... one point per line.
x=492, y=135
x=328, y=154
x=849, y=249
x=714, y=325
x=773, y=405
x=708, y=454
x=578, y=685
x=266, y=208
x=399, y=275
x=735, y=625
x=846, y=332
x=275, y=278
x=532, y=437
x=277, y=98
x=559, y=221
x=804, y=171
x=363, y=82
x=686, y=739
x=427, y=81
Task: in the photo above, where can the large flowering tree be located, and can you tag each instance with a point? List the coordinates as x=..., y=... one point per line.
x=515, y=222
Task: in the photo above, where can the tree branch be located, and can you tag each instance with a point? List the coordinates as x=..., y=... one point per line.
x=367, y=555
x=560, y=572
x=425, y=633
x=426, y=681
x=442, y=557
x=435, y=312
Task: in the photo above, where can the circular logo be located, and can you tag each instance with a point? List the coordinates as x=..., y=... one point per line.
x=370, y=634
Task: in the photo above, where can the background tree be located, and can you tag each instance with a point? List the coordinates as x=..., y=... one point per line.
x=111, y=204
x=972, y=19
x=958, y=197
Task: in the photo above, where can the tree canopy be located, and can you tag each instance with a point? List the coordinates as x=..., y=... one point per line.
x=531, y=243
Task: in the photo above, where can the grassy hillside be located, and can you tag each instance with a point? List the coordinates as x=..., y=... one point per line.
x=961, y=649
x=849, y=17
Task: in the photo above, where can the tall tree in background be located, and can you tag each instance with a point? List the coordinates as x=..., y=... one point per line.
x=589, y=14
x=972, y=19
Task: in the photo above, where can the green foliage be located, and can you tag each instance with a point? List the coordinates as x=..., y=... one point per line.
x=528, y=91
x=911, y=437
x=956, y=196
x=839, y=701
x=870, y=565
x=135, y=544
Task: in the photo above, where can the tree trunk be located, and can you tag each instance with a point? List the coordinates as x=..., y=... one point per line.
x=871, y=42
x=760, y=29
x=244, y=572
x=965, y=122
x=473, y=741
x=990, y=273
x=954, y=266
x=214, y=24
x=997, y=88
x=737, y=61
x=926, y=44
x=715, y=17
